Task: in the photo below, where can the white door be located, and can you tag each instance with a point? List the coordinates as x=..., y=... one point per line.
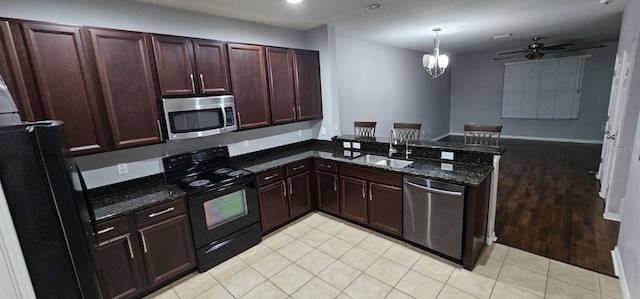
x=617, y=106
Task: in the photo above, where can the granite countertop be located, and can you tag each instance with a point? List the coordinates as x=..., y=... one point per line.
x=457, y=173
x=430, y=144
x=124, y=198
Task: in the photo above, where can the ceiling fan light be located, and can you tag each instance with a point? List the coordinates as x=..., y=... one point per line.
x=428, y=61
x=443, y=61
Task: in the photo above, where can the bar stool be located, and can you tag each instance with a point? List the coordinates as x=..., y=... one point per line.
x=482, y=135
x=364, y=128
x=407, y=131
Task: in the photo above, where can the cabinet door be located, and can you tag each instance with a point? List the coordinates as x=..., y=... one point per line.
x=307, y=76
x=211, y=67
x=247, y=67
x=11, y=72
x=117, y=268
x=174, y=59
x=124, y=73
x=167, y=249
x=353, y=199
x=328, y=192
x=274, y=205
x=299, y=193
x=385, y=208
x=281, y=90
x=64, y=84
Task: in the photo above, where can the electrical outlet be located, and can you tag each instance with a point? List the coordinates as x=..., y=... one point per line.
x=323, y=130
x=245, y=143
x=122, y=168
x=299, y=133
x=446, y=166
x=446, y=155
x=356, y=145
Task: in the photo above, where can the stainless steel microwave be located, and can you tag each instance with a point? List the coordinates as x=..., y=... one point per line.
x=199, y=116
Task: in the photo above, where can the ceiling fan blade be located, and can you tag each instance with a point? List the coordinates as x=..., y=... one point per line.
x=576, y=49
x=513, y=52
x=506, y=57
x=556, y=47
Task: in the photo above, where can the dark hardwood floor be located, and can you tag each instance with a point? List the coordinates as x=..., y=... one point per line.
x=548, y=203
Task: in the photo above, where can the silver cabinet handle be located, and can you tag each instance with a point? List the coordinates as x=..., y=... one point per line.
x=299, y=113
x=290, y=188
x=298, y=168
x=439, y=191
x=159, y=130
x=239, y=120
x=161, y=212
x=129, y=245
x=193, y=84
x=325, y=166
x=370, y=193
x=335, y=184
x=202, y=83
x=108, y=229
x=284, y=190
x=364, y=195
x=144, y=242
x=271, y=176
x=294, y=112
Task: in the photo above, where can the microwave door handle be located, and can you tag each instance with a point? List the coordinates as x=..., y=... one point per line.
x=224, y=121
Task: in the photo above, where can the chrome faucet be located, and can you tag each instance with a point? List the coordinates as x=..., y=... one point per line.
x=392, y=141
x=407, y=151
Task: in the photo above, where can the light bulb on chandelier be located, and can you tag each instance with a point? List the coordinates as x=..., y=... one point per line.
x=435, y=64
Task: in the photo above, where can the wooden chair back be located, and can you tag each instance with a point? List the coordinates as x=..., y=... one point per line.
x=482, y=135
x=407, y=131
x=364, y=128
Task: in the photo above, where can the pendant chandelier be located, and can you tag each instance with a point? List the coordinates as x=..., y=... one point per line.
x=435, y=64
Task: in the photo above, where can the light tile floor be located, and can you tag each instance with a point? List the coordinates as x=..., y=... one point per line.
x=320, y=256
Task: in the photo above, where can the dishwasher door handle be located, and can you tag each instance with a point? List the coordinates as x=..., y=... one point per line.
x=438, y=191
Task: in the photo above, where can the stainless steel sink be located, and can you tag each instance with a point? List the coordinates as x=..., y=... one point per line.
x=383, y=161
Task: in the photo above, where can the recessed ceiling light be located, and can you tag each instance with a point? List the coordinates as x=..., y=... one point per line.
x=294, y=1
x=502, y=36
x=373, y=6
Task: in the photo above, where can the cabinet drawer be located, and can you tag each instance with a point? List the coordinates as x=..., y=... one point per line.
x=381, y=176
x=160, y=212
x=298, y=167
x=270, y=176
x=326, y=165
x=110, y=229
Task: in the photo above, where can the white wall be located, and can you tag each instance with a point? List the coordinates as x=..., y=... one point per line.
x=101, y=169
x=629, y=236
x=387, y=84
x=476, y=96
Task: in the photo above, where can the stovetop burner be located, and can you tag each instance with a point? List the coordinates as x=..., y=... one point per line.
x=199, y=183
x=223, y=170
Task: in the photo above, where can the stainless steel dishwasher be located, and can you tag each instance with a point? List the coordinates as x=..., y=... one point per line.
x=433, y=215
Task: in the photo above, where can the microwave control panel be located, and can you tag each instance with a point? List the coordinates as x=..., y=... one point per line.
x=229, y=115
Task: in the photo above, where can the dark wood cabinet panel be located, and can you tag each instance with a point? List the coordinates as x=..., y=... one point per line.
x=174, y=60
x=167, y=249
x=117, y=268
x=299, y=194
x=247, y=67
x=385, y=208
x=281, y=89
x=274, y=205
x=328, y=200
x=64, y=84
x=353, y=199
x=307, y=76
x=211, y=66
x=11, y=72
x=123, y=65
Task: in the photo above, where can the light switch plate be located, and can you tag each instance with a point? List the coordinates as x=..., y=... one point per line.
x=122, y=168
x=356, y=145
x=446, y=166
x=346, y=144
x=323, y=130
x=446, y=155
x=246, y=143
x=347, y=153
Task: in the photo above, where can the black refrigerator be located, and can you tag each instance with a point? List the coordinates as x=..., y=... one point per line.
x=52, y=216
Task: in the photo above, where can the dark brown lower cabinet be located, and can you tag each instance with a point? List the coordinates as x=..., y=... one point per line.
x=274, y=205
x=129, y=264
x=353, y=195
x=385, y=208
x=299, y=194
x=328, y=192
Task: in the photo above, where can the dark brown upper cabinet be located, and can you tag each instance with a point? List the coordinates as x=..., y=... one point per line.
x=247, y=66
x=191, y=66
x=65, y=88
x=307, y=84
x=294, y=84
x=11, y=72
x=123, y=65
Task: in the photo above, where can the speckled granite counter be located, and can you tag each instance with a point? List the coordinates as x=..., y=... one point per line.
x=457, y=173
x=124, y=198
x=440, y=145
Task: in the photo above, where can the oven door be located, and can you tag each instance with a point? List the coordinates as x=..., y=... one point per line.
x=220, y=212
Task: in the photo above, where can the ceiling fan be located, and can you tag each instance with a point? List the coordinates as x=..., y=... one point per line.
x=536, y=50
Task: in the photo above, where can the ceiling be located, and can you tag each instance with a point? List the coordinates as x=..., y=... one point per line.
x=467, y=25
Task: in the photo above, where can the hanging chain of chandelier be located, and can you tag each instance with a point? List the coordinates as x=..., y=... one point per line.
x=435, y=64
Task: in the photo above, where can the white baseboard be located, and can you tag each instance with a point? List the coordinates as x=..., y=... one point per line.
x=611, y=216
x=589, y=141
x=618, y=267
